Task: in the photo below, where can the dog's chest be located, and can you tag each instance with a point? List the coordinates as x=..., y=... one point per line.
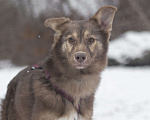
x=73, y=115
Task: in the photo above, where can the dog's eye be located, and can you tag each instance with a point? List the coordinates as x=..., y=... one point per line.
x=71, y=40
x=91, y=40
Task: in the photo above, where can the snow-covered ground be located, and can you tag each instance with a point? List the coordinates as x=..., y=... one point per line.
x=130, y=45
x=122, y=95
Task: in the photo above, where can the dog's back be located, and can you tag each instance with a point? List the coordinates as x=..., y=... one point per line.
x=8, y=103
x=8, y=111
x=20, y=97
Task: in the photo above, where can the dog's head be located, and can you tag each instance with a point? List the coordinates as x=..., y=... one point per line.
x=83, y=43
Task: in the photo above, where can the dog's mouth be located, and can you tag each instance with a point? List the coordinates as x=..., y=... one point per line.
x=80, y=66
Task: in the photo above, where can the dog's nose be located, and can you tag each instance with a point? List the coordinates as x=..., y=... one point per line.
x=80, y=57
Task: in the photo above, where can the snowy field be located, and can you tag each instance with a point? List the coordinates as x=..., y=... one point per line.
x=124, y=93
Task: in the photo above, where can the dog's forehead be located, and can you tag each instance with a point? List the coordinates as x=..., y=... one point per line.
x=81, y=26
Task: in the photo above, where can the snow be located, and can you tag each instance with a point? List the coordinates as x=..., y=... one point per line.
x=123, y=93
x=6, y=74
x=5, y=64
x=130, y=45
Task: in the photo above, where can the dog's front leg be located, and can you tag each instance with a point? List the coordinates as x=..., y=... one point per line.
x=86, y=108
x=41, y=111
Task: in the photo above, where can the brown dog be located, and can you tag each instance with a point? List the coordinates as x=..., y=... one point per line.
x=63, y=86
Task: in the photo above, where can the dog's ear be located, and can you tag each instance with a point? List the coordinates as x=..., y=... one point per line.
x=56, y=23
x=104, y=16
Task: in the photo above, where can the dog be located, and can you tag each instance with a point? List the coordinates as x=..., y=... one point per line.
x=62, y=87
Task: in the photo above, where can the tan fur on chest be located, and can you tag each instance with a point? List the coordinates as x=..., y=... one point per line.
x=81, y=87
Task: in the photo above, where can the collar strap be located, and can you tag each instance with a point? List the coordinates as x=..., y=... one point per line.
x=57, y=89
x=62, y=93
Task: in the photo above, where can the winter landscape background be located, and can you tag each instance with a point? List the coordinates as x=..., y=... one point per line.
x=124, y=90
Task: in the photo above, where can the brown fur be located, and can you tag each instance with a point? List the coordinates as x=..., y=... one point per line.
x=31, y=97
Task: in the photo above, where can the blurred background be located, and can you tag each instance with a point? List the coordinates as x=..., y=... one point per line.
x=124, y=89
x=24, y=39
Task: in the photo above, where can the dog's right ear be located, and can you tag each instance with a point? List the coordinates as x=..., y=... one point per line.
x=56, y=23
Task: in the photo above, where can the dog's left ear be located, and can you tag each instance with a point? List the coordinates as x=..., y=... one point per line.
x=104, y=16
x=55, y=23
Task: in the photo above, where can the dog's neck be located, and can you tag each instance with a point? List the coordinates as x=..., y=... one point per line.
x=75, y=80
